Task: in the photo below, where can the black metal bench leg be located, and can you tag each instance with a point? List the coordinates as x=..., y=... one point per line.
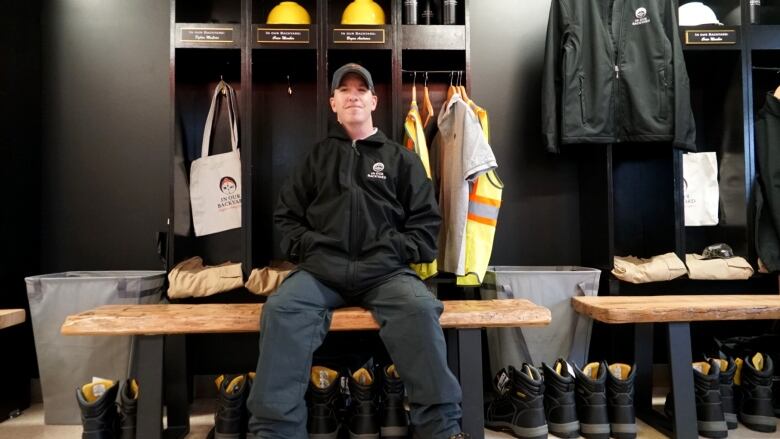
x=643, y=359
x=150, y=382
x=177, y=407
x=682, y=380
x=470, y=377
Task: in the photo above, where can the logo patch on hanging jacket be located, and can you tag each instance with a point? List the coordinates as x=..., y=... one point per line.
x=641, y=17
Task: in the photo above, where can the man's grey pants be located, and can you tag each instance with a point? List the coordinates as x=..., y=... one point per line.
x=294, y=323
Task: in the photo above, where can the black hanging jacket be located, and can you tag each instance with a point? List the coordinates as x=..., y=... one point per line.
x=355, y=213
x=614, y=72
x=767, y=189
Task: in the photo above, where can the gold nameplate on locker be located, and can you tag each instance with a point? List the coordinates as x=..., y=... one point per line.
x=214, y=35
x=358, y=36
x=703, y=37
x=282, y=36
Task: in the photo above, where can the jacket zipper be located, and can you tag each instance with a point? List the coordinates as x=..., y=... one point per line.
x=582, y=102
x=352, y=270
x=616, y=67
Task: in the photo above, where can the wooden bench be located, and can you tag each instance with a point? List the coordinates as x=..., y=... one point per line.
x=11, y=317
x=676, y=312
x=161, y=330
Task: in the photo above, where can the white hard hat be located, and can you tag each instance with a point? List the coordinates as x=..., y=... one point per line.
x=695, y=14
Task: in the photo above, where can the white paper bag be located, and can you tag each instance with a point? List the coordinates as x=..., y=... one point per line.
x=215, y=181
x=701, y=193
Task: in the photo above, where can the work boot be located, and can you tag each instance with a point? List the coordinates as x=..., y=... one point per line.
x=363, y=408
x=620, y=400
x=519, y=404
x=394, y=422
x=726, y=378
x=591, y=398
x=324, y=392
x=230, y=419
x=559, y=405
x=97, y=401
x=461, y=436
x=710, y=420
x=754, y=381
x=128, y=407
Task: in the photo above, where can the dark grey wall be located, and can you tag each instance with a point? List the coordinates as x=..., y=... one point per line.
x=105, y=121
x=539, y=218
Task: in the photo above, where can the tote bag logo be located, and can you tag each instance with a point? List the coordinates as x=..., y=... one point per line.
x=227, y=185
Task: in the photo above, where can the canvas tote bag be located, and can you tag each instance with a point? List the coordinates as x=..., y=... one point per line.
x=215, y=181
x=701, y=192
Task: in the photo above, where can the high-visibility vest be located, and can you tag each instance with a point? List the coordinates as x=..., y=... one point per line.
x=414, y=140
x=484, y=203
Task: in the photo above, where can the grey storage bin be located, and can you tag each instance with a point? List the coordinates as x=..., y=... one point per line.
x=67, y=362
x=567, y=335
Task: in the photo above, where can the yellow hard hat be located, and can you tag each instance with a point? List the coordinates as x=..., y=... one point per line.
x=288, y=13
x=363, y=12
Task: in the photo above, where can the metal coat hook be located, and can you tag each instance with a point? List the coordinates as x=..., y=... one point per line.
x=289, y=86
x=414, y=80
x=426, y=79
x=452, y=73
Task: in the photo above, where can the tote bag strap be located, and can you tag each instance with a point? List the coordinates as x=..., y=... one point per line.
x=230, y=96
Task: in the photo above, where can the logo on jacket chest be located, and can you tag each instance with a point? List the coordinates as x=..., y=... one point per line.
x=377, y=172
x=641, y=17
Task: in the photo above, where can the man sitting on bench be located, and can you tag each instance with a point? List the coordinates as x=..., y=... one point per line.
x=357, y=211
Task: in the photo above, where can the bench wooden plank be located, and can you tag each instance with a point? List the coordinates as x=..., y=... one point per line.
x=657, y=309
x=229, y=318
x=11, y=317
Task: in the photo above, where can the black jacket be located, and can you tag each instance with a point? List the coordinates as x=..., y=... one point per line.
x=614, y=72
x=353, y=214
x=768, y=187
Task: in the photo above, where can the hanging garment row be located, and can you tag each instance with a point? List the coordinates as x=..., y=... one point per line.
x=462, y=166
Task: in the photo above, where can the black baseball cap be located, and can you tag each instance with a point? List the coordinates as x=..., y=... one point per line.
x=339, y=74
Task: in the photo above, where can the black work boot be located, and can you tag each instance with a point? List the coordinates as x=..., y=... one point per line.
x=709, y=409
x=230, y=419
x=394, y=422
x=620, y=400
x=559, y=405
x=519, y=404
x=97, y=401
x=710, y=421
x=591, y=396
x=363, y=408
x=755, y=391
x=322, y=422
x=726, y=378
x=128, y=407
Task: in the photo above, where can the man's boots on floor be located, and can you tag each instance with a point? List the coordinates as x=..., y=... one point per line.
x=519, y=403
x=230, y=419
x=620, y=401
x=394, y=422
x=754, y=385
x=363, y=406
x=97, y=401
x=128, y=407
x=726, y=378
x=591, y=397
x=559, y=405
x=322, y=398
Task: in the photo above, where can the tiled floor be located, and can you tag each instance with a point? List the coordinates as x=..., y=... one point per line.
x=30, y=426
